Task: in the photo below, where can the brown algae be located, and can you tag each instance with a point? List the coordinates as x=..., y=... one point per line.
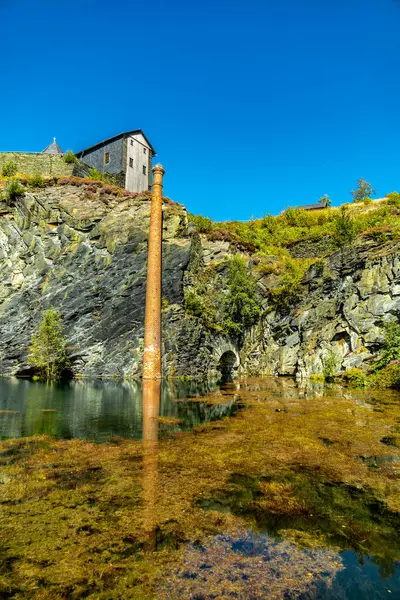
x=104, y=521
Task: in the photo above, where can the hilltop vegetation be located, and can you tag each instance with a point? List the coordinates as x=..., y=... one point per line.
x=276, y=235
x=288, y=244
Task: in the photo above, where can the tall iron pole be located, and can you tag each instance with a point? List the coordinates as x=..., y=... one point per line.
x=152, y=321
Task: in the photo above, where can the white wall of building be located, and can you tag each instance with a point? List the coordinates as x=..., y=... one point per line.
x=138, y=164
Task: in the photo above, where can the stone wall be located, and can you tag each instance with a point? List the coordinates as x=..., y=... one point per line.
x=30, y=163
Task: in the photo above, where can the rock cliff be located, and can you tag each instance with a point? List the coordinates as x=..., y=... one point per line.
x=343, y=306
x=81, y=246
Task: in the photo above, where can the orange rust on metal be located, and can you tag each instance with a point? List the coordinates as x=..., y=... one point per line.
x=152, y=321
x=150, y=483
x=151, y=409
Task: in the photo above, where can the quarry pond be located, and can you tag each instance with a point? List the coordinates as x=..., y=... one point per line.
x=261, y=488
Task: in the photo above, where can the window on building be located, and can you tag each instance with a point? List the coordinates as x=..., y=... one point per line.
x=144, y=150
x=144, y=169
x=131, y=162
x=131, y=142
x=106, y=158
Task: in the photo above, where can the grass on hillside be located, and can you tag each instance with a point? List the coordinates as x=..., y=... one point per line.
x=274, y=242
x=275, y=235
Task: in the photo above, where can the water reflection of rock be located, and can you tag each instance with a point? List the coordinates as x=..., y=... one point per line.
x=96, y=410
x=251, y=567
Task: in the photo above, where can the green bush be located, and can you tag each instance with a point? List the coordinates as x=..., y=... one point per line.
x=355, y=377
x=193, y=304
x=14, y=190
x=202, y=224
x=70, y=157
x=394, y=199
x=241, y=306
x=37, y=181
x=389, y=377
x=9, y=169
x=329, y=365
x=269, y=223
x=96, y=175
x=391, y=345
x=344, y=228
x=47, y=352
x=291, y=288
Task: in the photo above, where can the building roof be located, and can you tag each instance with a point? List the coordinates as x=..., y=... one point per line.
x=53, y=148
x=316, y=206
x=124, y=134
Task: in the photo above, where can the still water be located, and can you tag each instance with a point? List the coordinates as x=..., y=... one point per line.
x=295, y=496
x=100, y=410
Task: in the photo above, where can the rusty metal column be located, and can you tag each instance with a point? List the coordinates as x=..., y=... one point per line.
x=152, y=321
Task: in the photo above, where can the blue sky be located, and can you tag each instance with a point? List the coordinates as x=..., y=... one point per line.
x=251, y=105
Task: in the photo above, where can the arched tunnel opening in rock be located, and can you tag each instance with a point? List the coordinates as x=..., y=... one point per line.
x=227, y=365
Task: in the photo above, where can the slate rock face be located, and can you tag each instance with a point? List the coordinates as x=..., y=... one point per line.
x=82, y=247
x=341, y=315
x=84, y=252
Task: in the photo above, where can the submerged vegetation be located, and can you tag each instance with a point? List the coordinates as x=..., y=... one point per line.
x=316, y=468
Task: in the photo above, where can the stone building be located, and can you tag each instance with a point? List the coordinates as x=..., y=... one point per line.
x=127, y=156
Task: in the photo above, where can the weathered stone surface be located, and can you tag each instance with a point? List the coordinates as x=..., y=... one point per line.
x=85, y=253
x=83, y=249
x=342, y=319
x=30, y=163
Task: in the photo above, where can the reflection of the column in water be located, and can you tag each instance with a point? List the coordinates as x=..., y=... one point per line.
x=151, y=409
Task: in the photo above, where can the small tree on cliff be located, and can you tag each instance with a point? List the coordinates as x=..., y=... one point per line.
x=241, y=307
x=47, y=352
x=363, y=191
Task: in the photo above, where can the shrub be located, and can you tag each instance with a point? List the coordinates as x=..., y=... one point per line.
x=193, y=304
x=47, y=352
x=203, y=224
x=330, y=365
x=362, y=191
x=241, y=306
x=389, y=376
x=394, y=199
x=344, y=228
x=14, y=190
x=391, y=344
x=37, y=181
x=70, y=157
x=96, y=175
x=355, y=377
x=291, y=288
x=269, y=223
x=9, y=169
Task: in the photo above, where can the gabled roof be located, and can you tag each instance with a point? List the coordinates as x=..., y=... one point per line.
x=53, y=148
x=124, y=134
x=314, y=206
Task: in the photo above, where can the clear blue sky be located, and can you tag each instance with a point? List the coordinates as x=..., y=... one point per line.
x=252, y=105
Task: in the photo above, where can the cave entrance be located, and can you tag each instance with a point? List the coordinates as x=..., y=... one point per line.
x=227, y=365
